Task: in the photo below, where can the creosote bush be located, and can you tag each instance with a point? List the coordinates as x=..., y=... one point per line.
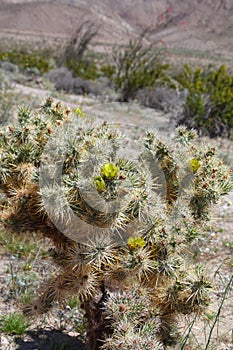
x=209, y=105
x=127, y=258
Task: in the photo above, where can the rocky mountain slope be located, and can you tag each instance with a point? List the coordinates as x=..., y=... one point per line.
x=192, y=24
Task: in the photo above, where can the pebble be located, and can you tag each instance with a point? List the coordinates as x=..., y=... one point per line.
x=6, y=344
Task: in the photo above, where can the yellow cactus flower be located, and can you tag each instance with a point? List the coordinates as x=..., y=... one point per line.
x=79, y=112
x=136, y=242
x=194, y=164
x=109, y=171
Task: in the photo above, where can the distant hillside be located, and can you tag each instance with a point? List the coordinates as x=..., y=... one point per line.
x=191, y=24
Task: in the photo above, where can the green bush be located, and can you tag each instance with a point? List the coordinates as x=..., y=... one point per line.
x=136, y=66
x=133, y=276
x=85, y=69
x=209, y=105
x=26, y=60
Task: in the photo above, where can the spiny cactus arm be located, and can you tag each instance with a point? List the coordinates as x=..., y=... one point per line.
x=85, y=284
x=21, y=213
x=21, y=148
x=212, y=179
x=189, y=169
x=158, y=152
x=134, y=323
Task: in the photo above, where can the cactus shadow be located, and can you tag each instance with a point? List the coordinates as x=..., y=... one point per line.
x=49, y=340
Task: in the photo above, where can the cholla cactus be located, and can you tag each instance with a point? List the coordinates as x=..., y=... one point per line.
x=132, y=273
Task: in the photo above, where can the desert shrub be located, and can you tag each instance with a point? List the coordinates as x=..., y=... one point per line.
x=85, y=69
x=209, y=105
x=76, y=56
x=158, y=97
x=127, y=258
x=8, y=100
x=135, y=66
x=27, y=60
x=84, y=86
x=63, y=80
x=8, y=66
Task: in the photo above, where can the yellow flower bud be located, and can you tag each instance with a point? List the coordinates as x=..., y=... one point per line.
x=100, y=184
